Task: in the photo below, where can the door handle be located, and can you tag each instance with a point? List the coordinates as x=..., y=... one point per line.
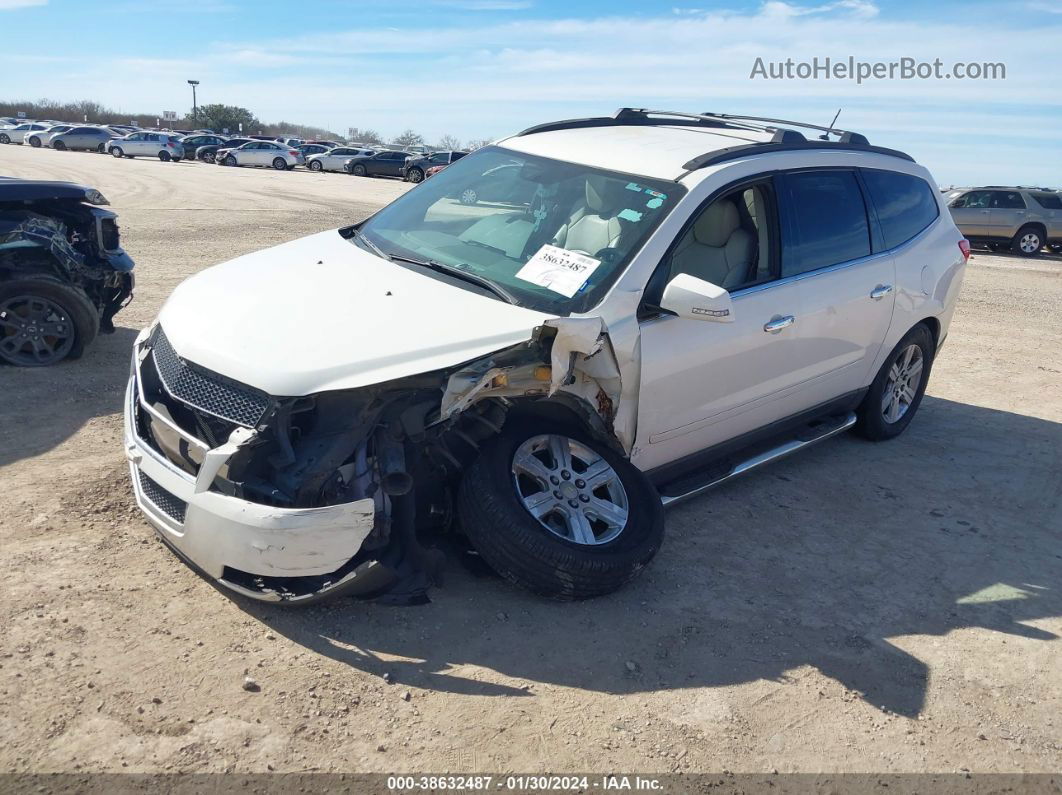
x=776, y=324
x=880, y=291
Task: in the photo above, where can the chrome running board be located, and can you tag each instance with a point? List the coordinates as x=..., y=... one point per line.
x=825, y=430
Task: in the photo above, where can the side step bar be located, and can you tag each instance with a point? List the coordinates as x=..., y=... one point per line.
x=813, y=435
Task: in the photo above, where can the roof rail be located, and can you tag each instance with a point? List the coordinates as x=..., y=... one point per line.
x=782, y=139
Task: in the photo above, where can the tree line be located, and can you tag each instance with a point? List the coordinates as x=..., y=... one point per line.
x=217, y=117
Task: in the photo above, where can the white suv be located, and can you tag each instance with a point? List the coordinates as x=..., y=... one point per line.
x=645, y=306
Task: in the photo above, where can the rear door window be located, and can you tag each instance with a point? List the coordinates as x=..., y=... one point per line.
x=826, y=220
x=905, y=205
x=1007, y=200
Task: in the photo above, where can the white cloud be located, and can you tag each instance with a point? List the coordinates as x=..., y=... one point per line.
x=498, y=74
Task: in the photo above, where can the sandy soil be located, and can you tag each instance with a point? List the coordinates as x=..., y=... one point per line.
x=862, y=607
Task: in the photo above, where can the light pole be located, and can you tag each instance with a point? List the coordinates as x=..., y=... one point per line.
x=195, y=111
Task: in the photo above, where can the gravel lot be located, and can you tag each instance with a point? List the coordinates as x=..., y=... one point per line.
x=890, y=607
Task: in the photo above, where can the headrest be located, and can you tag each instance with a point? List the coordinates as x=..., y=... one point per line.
x=603, y=195
x=717, y=224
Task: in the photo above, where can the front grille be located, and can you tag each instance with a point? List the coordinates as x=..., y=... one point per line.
x=172, y=506
x=239, y=404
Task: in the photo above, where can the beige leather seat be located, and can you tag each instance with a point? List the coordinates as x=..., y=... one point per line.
x=716, y=248
x=594, y=225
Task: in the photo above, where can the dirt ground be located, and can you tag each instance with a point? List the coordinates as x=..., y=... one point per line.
x=862, y=608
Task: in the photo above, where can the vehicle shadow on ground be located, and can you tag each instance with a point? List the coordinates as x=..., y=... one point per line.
x=41, y=407
x=823, y=560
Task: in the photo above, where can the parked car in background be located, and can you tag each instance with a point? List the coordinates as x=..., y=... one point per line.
x=17, y=134
x=208, y=153
x=63, y=273
x=334, y=159
x=260, y=153
x=381, y=164
x=43, y=138
x=672, y=306
x=94, y=139
x=306, y=150
x=1021, y=219
x=294, y=143
x=330, y=144
x=192, y=143
x=164, y=146
x=416, y=165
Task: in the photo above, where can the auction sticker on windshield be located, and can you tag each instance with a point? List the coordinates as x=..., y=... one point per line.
x=558, y=269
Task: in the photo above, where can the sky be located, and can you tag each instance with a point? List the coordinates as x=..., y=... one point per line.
x=486, y=68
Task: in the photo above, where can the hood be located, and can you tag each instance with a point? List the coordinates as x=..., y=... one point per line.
x=321, y=313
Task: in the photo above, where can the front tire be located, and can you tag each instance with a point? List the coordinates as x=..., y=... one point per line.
x=207, y=157
x=35, y=142
x=116, y=151
x=897, y=391
x=43, y=321
x=229, y=161
x=315, y=165
x=59, y=146
x=101, y=149
x=1028, y=241
x=599, y=533
x=4, y=138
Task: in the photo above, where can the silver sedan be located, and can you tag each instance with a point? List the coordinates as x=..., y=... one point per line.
x=333, y=159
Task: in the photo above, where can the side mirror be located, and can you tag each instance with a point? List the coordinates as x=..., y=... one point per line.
x=693, y=298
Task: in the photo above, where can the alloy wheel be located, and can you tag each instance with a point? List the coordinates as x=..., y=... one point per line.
x=571, y=490
x=905, y=377
x=34, y=331
x=1030, y=243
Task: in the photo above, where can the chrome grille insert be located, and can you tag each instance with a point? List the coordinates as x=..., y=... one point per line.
x=170, y=505
x=243, y=406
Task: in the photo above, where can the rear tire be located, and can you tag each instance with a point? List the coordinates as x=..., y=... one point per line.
x=280, y=164
x=165, y=157
x=496, y=517
x=1028, y=242
x=894, y=396
x=4, y=138
x=207, y=157
x=415, y=175
x=65, y=309
x=101, y=149
x=359, y=170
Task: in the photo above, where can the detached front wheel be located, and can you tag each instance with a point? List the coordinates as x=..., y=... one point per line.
x=558, y=513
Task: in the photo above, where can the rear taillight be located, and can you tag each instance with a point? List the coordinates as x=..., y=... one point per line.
x=293, y=153
x=169, y=144
x=964, y=247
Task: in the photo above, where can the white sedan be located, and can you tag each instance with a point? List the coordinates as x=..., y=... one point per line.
x=260, y=153
x=333, y=159
x=17, y=135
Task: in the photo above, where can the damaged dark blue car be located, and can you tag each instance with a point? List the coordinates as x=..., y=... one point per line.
x=63, y=273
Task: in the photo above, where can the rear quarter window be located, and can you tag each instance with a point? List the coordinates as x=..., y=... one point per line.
x=905, y=205
x=1049, y=201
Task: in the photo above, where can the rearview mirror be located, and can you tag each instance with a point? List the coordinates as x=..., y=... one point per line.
x=693, y=298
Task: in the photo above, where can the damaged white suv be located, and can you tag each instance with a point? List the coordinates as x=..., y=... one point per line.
x=539, y=348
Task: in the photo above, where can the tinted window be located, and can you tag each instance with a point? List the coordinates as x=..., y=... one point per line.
x=457, y=156
x=976, y=199
x=1049, y=201
x=905, y=205
x=827, y=221
x=1007, y=200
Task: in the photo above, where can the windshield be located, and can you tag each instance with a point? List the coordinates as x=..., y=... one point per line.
x=553, y=235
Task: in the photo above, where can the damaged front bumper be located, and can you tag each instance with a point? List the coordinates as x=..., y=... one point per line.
x=260, y=551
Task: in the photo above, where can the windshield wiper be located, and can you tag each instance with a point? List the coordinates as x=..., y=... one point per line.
x=462, y=274
x=357, y=234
